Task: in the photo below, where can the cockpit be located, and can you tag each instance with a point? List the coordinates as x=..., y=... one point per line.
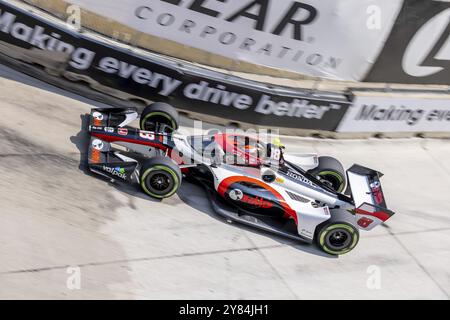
x=235, y=149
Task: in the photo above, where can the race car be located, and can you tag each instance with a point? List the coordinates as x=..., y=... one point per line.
x=303, y=197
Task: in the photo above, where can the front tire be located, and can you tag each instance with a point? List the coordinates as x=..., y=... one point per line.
x=160, y=177
x=159, y=117
x=339, y=234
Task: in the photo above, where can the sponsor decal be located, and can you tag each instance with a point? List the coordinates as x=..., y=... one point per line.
x=279, y=180
x=97, y=144
x=369, y=216
x=375, y=187
x=147, y=135
x=364, y=222
x=418, y=48
x=109, y=129
x=298, y=177
x=257, y=202
x=236, y=194
x=155, y=78
x=122, y=131
x=97, y=116
x=306, y=233
x=223, y=188
x=116, y=171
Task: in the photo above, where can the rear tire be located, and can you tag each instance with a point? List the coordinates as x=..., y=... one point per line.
x=160, y=177
x=339, y=234
x=331, y=172
x=159, y=117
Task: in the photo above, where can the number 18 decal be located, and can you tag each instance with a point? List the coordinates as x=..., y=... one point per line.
x=276, y=154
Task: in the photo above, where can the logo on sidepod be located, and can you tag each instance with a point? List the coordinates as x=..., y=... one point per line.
x=117, y=171
x=258, y=202
x=238, y=195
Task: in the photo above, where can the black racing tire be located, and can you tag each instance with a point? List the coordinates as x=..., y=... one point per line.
x=160, y=177
x=331, y=172
x=339, y=234
x=159, y=117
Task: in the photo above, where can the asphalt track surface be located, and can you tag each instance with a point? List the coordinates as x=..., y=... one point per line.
x=53, y=215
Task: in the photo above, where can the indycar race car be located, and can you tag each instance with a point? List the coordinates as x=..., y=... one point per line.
x=254, y=182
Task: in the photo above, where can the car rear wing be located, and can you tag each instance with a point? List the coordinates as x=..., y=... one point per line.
x=371, y=209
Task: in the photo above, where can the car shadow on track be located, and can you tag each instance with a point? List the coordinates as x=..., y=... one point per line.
x=81, y=141
x=193, y=195
x=197, y=198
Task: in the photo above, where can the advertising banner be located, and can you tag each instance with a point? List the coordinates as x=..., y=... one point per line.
x=325, y=38
x=418, y=49
x=397, y=114
x=155, y=78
